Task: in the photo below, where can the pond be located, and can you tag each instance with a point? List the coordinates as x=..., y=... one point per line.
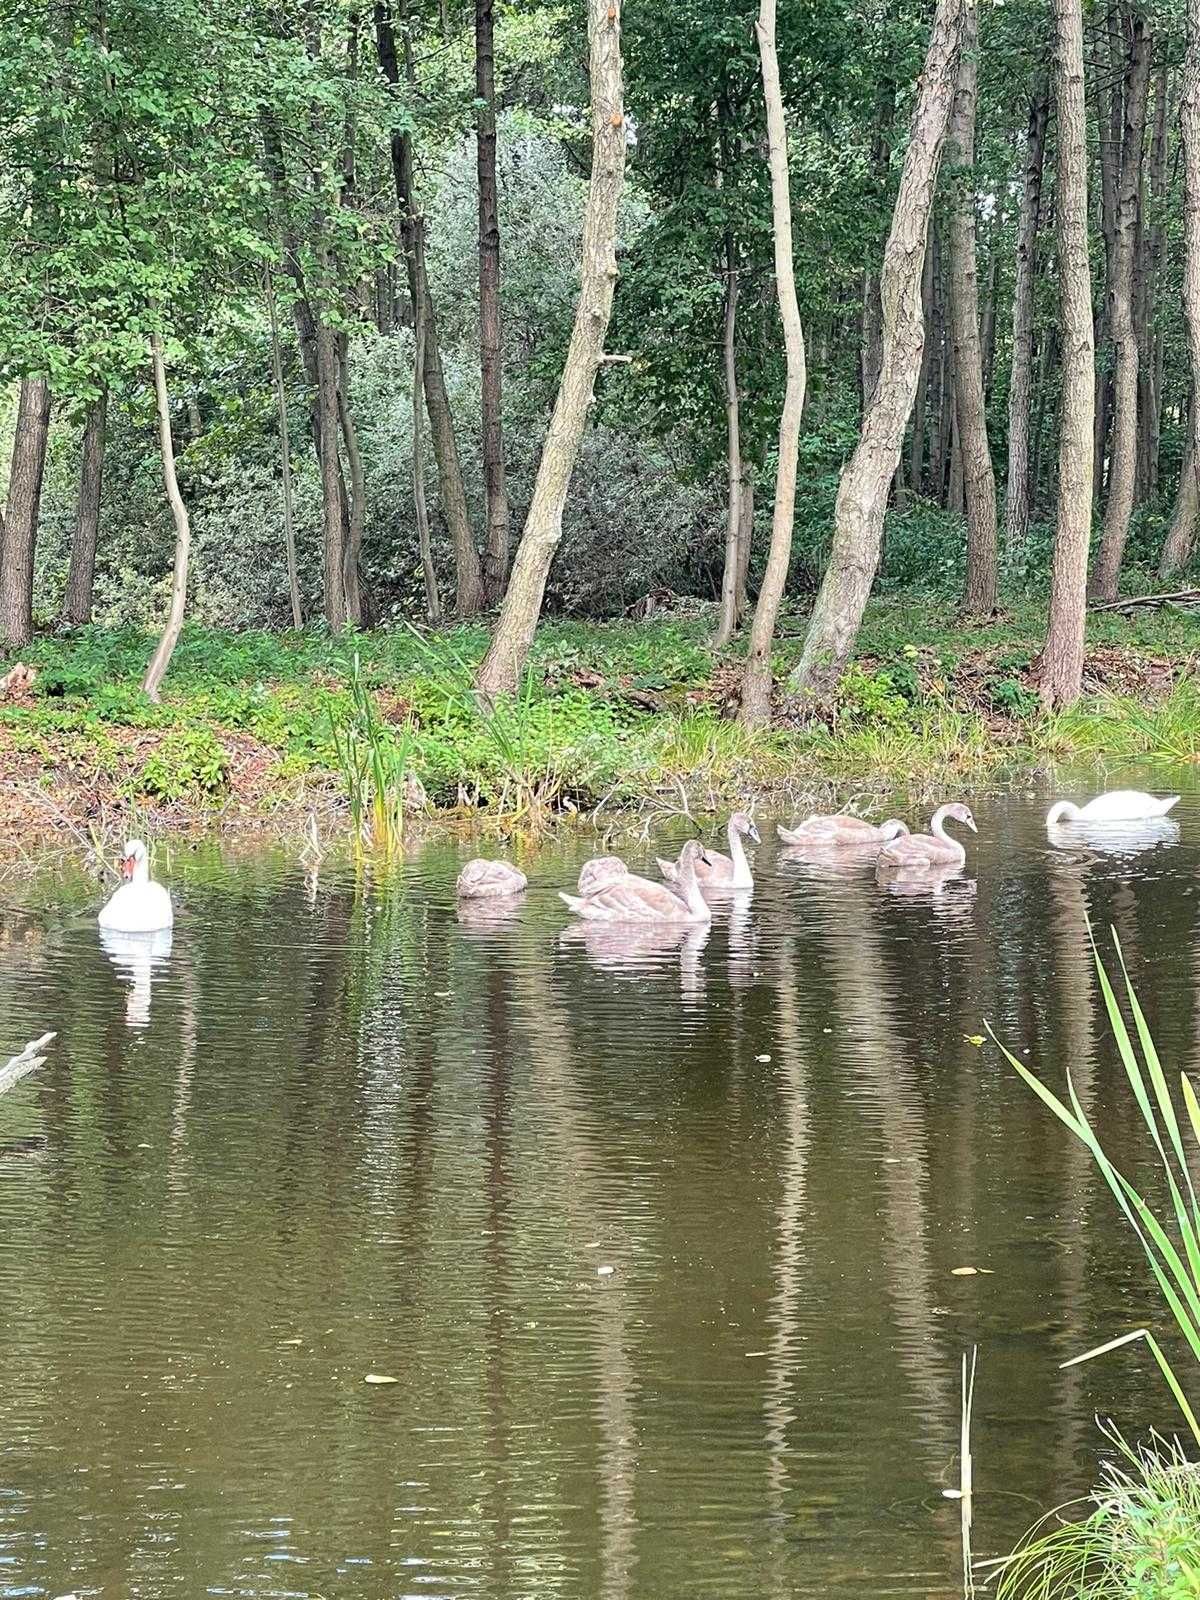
x=656, y=1238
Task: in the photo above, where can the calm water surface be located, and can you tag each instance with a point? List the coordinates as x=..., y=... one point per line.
x=655, y=1236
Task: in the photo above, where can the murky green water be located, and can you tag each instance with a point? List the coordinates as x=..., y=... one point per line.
x=340, y=1131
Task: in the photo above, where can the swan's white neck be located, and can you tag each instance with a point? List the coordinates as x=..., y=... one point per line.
x=692, y=898
x=742, y=878
x=1061, y=811
x=141, y=872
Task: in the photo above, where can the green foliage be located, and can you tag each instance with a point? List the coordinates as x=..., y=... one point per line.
x=1141, y=1542
x=187, y=763
x=373, y=762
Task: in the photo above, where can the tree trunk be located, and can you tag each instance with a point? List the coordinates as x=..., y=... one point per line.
x=1110, y=119
x=756, y=682
x=862, y=494
x=285, y=458
x=352, y=550
x=955, y=495
x=745, y=542
x=1149, y=343
x=1060, y=666
x=21, y=514
x=490, y=350
x=979, y=480
x=1181, y=536
x=433, y=600
x=333, y=503
x=728, y=621
x=161, y=660
x=1122, y=474
x=1020, y=392
x=1189, y=125
x=469, y=579
x=502, y=666
x=916, y=451
x=939, y=465
x=77, y=603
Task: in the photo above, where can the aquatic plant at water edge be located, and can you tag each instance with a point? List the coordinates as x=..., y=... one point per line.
x=1140, y=1542
x=1171, y=1245
x=374, y=766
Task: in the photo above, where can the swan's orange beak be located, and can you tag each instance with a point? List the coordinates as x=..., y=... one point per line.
x=127, y=865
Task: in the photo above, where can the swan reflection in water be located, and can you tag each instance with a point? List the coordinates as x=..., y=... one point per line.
x=1128, y=838
x=639, y=950
x=949, y=892
x=135, y=957
x=478, y=918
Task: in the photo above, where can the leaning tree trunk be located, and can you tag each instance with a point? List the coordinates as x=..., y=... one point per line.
x=979, y=480
x=756, y=681
x=1020, y=390
x=1181, y=535
x=1189, y=124
x=1122, y=472
x=161, y=660
x=495, y=566
x=21, y=515
x=728, y=621
x=862, y=494
x=1060, y=666
x=916, y=448
x=77, y=603
x=501, y=668
x=468, y=576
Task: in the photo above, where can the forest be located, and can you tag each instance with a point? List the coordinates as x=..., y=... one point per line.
x=454, y=318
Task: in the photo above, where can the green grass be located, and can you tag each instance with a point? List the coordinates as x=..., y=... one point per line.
x=1141, y=1540
x=608, y=713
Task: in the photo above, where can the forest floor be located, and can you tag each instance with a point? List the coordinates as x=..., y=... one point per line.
x=257, y=729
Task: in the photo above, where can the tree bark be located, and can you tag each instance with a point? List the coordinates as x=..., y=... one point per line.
x=1149, y=343
x=77, y=603
x=916, y=451
x=433, y=600
x=468, y=576
x=1181, y=535
x=502, y=666
x=728, y=621
x=1122, y=475
x=161, y=660
x=756, y=681
x=745, y=542
x=21, y=513
x=285, y=458
x=1020, y=392
x=863, y=491
x=352, y=549
x=1189, y=127
x=495, y=568
x=333, y=505
x=1060, y=666
x=1110, y=117
x=979, y=480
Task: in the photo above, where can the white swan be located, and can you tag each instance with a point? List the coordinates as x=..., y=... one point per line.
x=140, y=905
x=634, y=899
x=1118, y=805
x=713, y=867
x=922, y=852
x=594, y=874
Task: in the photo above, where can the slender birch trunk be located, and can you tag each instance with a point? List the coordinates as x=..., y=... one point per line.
x=756, y=682
x=1060, y=665
x=862, y=494
x=501, y=668
x=161, y=660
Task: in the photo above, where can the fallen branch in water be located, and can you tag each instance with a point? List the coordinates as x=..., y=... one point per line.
x=26, y=1062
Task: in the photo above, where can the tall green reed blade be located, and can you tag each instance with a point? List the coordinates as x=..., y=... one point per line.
x=1176, y=1270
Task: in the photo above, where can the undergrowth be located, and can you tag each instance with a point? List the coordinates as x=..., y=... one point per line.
x=607, y=713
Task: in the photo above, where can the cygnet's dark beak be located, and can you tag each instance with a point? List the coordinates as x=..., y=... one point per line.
x=705, y=857
x=752, y=833
x=970, y=822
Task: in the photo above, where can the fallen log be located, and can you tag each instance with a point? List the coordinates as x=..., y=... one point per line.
x=1185, y=599
x=24, y=1063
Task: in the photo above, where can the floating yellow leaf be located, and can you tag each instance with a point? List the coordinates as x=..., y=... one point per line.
x=378, y=1377
x=976, y=1039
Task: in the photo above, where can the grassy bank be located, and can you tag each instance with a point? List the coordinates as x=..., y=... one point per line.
x=611, y=714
